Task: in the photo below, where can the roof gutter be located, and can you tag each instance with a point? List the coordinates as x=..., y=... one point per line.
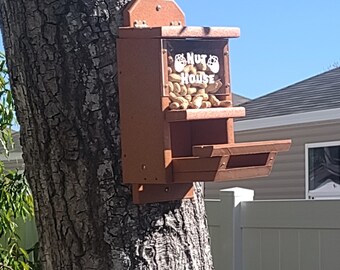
x=290, y=119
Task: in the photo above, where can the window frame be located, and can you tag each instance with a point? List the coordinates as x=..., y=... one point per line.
x=310, y=146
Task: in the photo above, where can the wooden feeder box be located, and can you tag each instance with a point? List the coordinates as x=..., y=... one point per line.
x=168, y=143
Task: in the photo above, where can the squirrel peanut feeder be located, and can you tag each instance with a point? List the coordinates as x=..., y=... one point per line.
x=176, y=106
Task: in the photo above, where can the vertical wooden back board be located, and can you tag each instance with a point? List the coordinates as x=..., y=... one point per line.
x=153, y=13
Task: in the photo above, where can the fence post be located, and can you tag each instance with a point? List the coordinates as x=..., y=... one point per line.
x=227, y=229
x=220, y=221
x=239, y=195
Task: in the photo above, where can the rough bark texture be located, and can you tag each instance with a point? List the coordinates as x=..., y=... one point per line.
x=62, y=61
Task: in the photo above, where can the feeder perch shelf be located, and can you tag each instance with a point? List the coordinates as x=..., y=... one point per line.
x=199, y=114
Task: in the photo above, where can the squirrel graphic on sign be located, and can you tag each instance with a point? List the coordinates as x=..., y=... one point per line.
x=213, y=63
x=180, y=62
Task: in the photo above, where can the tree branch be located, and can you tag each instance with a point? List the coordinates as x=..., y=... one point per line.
x=2, y=266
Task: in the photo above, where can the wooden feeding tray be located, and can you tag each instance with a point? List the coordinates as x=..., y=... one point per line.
x=222, y=162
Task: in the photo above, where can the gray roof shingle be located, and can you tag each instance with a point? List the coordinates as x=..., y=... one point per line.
x=238, y=99
x=320, y=92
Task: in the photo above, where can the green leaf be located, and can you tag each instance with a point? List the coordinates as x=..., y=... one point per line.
x=25, y=266
x=24, y=253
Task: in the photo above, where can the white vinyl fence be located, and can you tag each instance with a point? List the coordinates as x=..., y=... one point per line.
x=274, y=235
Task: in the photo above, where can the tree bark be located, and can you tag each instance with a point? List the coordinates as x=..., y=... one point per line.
x=62, y=60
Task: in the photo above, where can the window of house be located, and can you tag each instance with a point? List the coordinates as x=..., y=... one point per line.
x=323, y=170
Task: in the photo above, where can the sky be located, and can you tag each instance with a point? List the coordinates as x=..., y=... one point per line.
x=281, y=43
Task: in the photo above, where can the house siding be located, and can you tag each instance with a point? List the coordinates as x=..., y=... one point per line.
x=14, y=161
x=287, y=180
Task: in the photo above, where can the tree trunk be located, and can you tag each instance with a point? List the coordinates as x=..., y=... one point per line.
x=62, y=61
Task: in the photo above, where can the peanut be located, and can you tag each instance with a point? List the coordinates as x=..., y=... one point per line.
x=205, y=97
x=213, y=88
x=214, y=101
x=199, y=85
x=177, y=88
x=196, y=102
x=201, y=66
x=170, y=86
x=173, y=77
x=174, y=106
x=184, y=105
x=187, y=68
x=225, y=103
x=183, y=90
x=193, y=70
x=182, y=102
x=188, y=97
x=192, y=90
x=206, y=104
x=176, y=98
x=200, y=91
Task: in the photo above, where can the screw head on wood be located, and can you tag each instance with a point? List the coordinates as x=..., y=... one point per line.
x=143, y=167
x=166, y=189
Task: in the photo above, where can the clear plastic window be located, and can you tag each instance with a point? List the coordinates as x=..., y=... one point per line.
x=196, y=73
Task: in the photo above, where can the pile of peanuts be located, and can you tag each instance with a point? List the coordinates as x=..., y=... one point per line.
x=193, y=95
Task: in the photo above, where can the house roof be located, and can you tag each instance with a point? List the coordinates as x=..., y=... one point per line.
x=238, y=99
x=321, y=92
